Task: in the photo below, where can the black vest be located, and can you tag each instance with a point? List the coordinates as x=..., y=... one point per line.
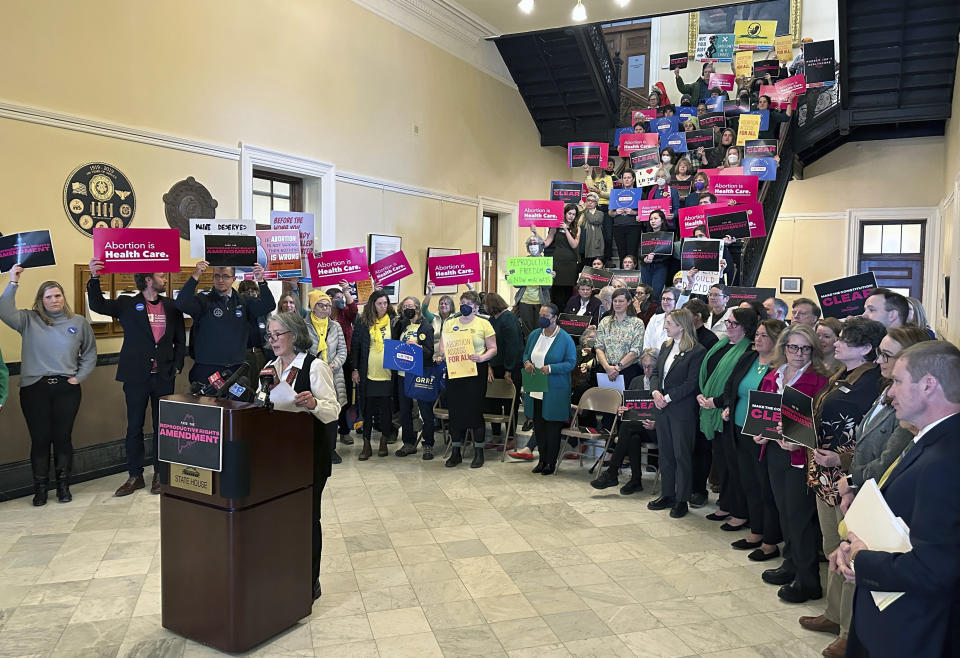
x=322, y=466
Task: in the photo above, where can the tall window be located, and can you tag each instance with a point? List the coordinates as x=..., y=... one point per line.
x=489, y=253
x=273, y=191
x=893, y=251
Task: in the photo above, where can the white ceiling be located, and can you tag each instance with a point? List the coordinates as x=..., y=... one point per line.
x=506, y=18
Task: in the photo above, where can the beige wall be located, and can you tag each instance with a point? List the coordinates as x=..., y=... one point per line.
x=950, y=215
x=324, y=80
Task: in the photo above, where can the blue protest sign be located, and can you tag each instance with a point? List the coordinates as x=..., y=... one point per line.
x=762, y=168
x=684, y=113
x=676, y=141
x=405, y=357
x=627, y=197
x=665, y=125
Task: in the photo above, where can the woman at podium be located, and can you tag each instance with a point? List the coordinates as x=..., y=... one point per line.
x=303, y=383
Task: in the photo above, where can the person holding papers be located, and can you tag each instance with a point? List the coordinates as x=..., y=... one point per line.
x=410, y=327
x=923, y=489
x=152, y=353
x=550, y=351
x=620, y=340
x=798, y=362
x=675, y=385
x=304, y=384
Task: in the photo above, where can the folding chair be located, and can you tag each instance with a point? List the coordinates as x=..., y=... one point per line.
x=598, y=400
x=441, y=415
x=501, y=389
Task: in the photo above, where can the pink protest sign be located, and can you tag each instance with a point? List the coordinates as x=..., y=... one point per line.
x=647, y=206
x=541, y=213
x=792, y=85
x=594, y=154
x=630, y=142
x=132, y=250
x=778, y=99
x=722, y=80
x=337, y=265
x=392, y=268
x=691, y=218
x=639, y=116
x=452, y=270
x=741, y=188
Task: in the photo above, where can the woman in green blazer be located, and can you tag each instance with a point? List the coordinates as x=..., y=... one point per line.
x=550, y=350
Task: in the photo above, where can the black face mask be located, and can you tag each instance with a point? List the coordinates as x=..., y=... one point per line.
x=409, y=313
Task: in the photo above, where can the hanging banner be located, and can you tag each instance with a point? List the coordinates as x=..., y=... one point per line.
x=755, y=35
x=331, y=267
x=454, y=270
x=541, y=213
x=842, y=298
x=587, y=153
x=29, y=249
x=132, y=250
x=530, y=270
x=458, y=347
x=392, y=268
x=714, y=47
x=279, y=253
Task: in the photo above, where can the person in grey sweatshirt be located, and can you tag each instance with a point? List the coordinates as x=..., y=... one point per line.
x=59, y=351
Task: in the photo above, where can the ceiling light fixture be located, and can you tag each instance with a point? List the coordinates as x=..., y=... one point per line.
x=526, y=6
x=579, y=12
x=623, y=3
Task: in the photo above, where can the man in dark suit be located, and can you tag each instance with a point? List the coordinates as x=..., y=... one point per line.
x=584, y=303
x=923, y=488
x=154, y=345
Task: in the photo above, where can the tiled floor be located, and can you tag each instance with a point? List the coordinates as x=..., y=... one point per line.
x=419, y=560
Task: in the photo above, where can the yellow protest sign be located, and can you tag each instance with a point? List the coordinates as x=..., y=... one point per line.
x=754, y=35
x=458, y=347
x=784, y=46
x=743, y=63
x=749, y=128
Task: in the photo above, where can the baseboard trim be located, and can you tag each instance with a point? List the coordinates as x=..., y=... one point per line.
x=90, y=463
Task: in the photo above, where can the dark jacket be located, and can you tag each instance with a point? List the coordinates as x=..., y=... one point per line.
x=682, y=382
x=673, y=216
x=706, y=337
x=424, y=337
x=923, y=490
x=139, y=350
x=561, y=357
x=698, y=90
x=221, y=323
x=593, y=308
x=359, y=354
x=509, y=335
x=731, y=390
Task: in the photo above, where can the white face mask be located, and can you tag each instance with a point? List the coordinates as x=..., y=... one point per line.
x=534, y=249
x=666, y=159
x=661, y=182
x=732, y=159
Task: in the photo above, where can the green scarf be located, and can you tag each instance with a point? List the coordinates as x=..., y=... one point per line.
x=712, y=384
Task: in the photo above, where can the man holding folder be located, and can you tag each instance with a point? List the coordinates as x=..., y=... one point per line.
x=922, y=487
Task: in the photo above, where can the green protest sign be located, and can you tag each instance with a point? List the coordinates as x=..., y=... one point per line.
x=530, y=271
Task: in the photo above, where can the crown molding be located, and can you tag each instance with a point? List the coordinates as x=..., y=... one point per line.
x=448, y=26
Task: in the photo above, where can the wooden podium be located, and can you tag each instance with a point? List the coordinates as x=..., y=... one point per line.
x=235, y=546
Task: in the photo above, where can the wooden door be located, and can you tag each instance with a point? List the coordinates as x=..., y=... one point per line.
x=893, y=251
x=631, y=41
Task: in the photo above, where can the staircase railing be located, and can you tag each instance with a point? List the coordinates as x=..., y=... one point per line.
x=606, y=73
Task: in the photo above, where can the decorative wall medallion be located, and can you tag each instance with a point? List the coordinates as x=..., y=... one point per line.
x=188, y=200
x=98, y=195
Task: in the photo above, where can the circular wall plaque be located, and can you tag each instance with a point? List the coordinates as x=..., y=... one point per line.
x=188, y=200
x=98, y=195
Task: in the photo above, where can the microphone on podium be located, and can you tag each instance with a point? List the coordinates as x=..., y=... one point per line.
x=268, y=377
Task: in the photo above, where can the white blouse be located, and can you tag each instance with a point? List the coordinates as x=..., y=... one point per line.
x=321, y=385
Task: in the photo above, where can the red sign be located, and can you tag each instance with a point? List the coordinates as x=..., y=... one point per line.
x=741, y=188
x=722, y=80
x=778, y=99
x=392, y=268
x=541, y=213
x=691, y=218
x=647, y=206
x=452, y=270
x=338, y=265
x=132, y=250
x=792, y=85
x=630, y=142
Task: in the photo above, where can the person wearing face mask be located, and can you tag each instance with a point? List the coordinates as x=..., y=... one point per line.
x=328, y=344
x=411, y=328
x=668, y=160
x=550, y=350
x=374, y=382
x=591, y=228
x=631, y=436
x=566, y=263
x=465, y=394
x=59, y=351
x=699, y=189
x=626, y=229
x=732, y=160
x=344, y=312
x=698, y=90
x=529, y=299
x=653, y=267
x=663, y=190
